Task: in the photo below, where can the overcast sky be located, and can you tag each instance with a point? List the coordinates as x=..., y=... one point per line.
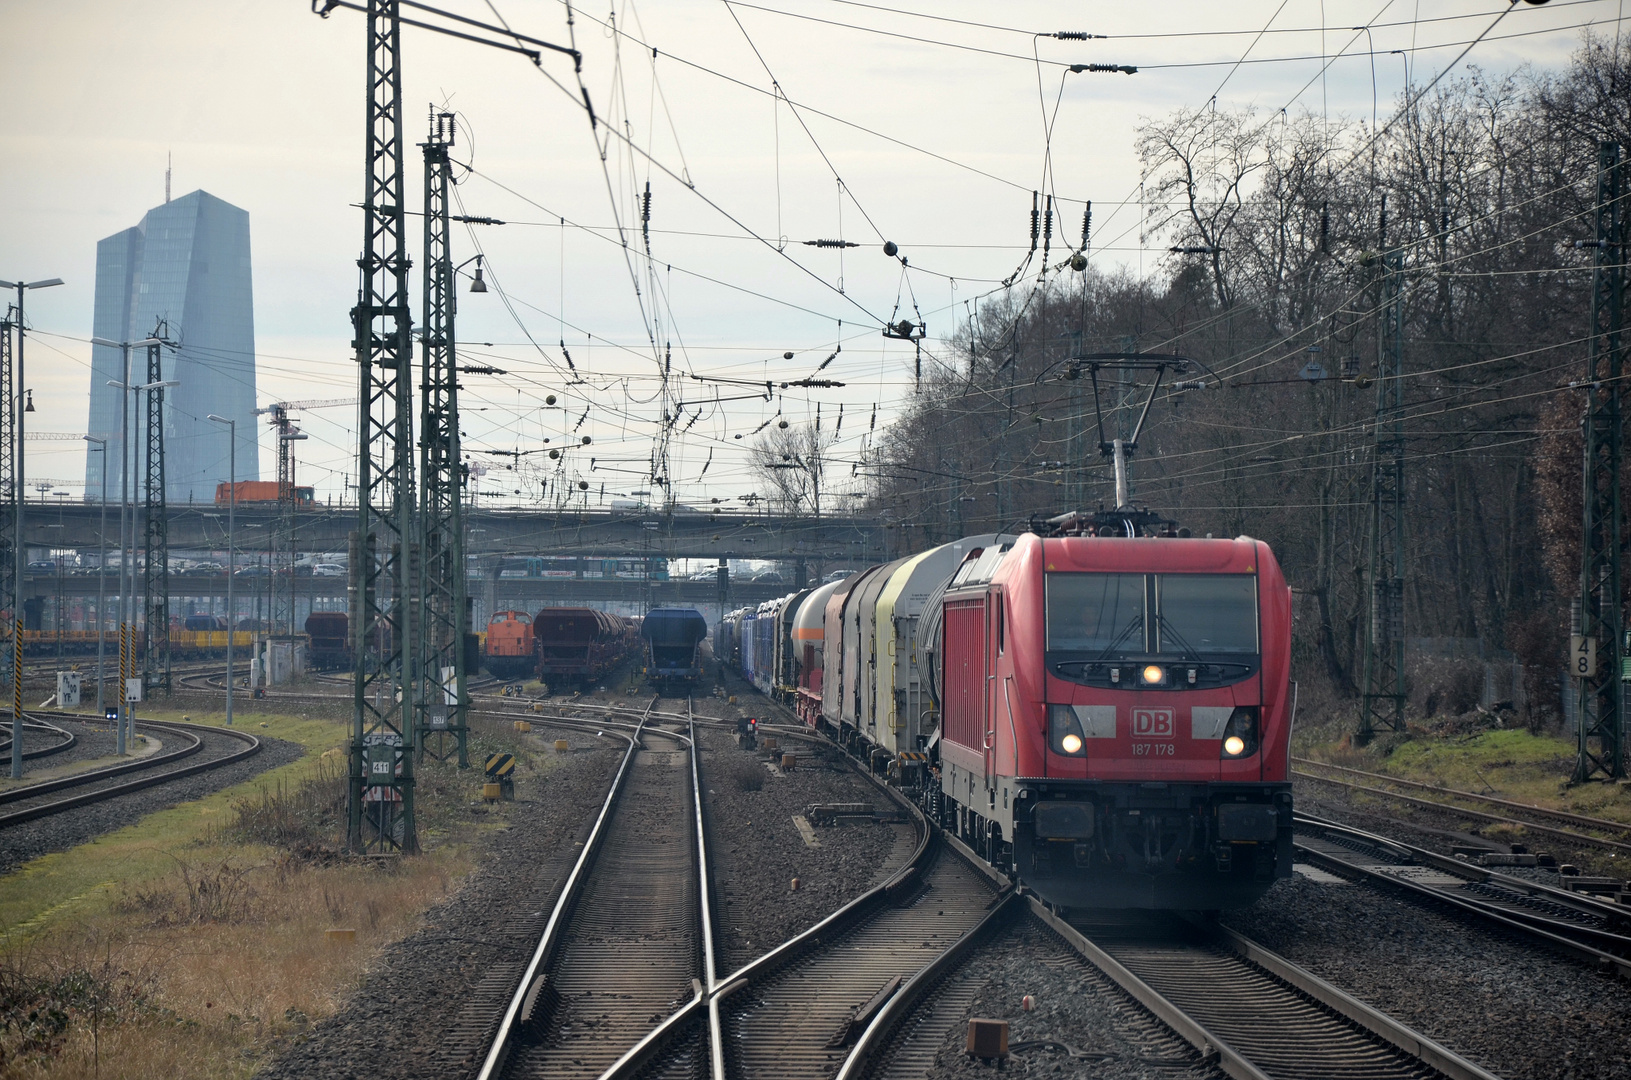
x=933, y=122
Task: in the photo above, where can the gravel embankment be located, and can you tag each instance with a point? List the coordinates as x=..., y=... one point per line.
x=1513, y=1008
x=1099, y=1033
x=427, y=1001
x=58, y=832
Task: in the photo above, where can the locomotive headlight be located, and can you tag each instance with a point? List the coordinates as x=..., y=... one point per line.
x=1240, y=735
x=1154, y=675
x=1065, y=734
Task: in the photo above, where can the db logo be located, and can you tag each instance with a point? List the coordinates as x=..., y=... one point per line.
x=1152, y=723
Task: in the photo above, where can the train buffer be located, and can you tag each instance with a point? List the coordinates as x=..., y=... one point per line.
x=500, y=770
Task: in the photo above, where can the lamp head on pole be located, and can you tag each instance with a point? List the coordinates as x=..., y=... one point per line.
x=28, y=405
x=478, y=285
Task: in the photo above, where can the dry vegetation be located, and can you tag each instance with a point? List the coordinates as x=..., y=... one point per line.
x=215, y=951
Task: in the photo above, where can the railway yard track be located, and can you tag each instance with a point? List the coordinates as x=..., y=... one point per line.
x=212, y=748
x=620, y=978
x=1574, y=923
x=1618, y=840
x=630, y=937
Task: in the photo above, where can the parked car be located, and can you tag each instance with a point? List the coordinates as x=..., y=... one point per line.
x=327, y=569
x=201, y=569
x=254, y=571
x=42, y=566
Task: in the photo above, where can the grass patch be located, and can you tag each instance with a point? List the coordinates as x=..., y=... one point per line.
x=192, y=943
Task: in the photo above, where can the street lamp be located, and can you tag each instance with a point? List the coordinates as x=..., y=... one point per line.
x=18, y=554
x=101, y=576
x=127, y=555
x=232, y=511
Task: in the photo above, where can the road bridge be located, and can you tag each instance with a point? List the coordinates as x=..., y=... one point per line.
x=683, y=534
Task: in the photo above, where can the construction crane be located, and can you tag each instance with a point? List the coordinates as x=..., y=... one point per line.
x=277, y=413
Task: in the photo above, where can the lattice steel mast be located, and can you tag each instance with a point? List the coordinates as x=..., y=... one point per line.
x=156, y=525
x=10, y=600
x=381, y=812
x=1382, y=690
x=1598, y=647
x=441, y=701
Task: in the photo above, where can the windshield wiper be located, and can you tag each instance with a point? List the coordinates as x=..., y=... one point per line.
x=1189, y=652
x=1136, y=623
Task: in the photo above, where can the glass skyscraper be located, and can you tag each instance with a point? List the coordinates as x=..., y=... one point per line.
x=187, y=263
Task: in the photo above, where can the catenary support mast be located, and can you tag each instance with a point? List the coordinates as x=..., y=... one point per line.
x=1382, y=700
x=441, y=701
x=1596, y=650
x=156, y=525
x=380, y=816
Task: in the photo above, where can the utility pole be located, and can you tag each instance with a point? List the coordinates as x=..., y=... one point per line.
x=440, y=701
x=1596, y=649
x=19, y=550
x=1382, y=691
x=282, y=605
x=380, y=814
x=156, y=575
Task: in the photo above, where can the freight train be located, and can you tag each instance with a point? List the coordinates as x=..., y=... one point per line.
x=580, y=644
x=673, y=638
x=1105, y=717
x=184, y=644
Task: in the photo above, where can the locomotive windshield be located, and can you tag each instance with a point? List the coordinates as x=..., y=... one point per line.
x=1115, y=615
x=1099, y=613
x=1204, y=614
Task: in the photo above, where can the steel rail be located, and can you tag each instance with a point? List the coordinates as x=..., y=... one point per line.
x=91, y=776
x=1231, y=1060
x=899, y=1007
x=1585, y=942
x=164, y=776
x=1479, y=815
x=37, y=724
x=1561, y=815
x=834, y=925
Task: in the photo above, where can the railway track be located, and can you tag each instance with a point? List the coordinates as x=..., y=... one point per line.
x=31, y=802
x=630, y=938
x=34, y=723
x=1573, y=836
x=1250, y=1013
x=1577, y=925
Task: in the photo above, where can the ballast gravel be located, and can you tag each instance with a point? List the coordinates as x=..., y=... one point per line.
x=758, y=850
x=95, y=740
x=1081, y=1026
x=58, y=832
x=1509, y=1006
